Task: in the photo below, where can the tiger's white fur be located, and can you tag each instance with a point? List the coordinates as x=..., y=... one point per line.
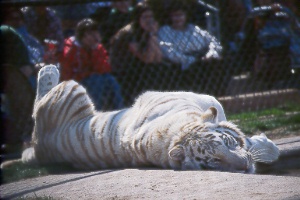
x=178, y=130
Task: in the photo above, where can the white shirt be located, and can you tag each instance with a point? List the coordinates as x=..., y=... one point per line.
x=181, y=46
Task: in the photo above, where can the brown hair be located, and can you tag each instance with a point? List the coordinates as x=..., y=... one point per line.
x=83, y=26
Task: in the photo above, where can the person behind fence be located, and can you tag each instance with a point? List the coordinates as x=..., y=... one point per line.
x=13, y=17
x=15, y=52
x=135, y=54
x=71, y=13
x=111, y=20
x=86, y=61
x=271, y=43
x=195, y=50
x=17, y=94
x=232, y=15
x=43, y=23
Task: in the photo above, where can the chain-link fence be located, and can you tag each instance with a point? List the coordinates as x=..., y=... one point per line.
x=246, y=53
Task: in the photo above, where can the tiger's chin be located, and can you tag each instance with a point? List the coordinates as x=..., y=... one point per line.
x=248, y=170
x=244, y=166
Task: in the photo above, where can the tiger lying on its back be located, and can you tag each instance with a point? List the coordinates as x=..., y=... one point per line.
x=179, y=130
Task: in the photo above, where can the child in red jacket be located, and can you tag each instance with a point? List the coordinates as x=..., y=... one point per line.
x=86, y=61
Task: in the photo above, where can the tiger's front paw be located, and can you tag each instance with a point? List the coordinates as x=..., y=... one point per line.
x=263, y=149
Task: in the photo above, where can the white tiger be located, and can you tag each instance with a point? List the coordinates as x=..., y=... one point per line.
x=178, y=130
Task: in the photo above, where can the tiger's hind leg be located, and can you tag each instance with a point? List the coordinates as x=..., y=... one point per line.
x=48, y=78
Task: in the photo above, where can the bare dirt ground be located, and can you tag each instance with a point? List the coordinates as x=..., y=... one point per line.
x=168, y=184
x=156, y=184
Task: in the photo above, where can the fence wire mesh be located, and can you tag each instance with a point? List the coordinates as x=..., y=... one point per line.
x=235, y=50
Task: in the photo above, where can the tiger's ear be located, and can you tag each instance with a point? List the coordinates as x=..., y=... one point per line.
x=177, y=153
x=210, y=115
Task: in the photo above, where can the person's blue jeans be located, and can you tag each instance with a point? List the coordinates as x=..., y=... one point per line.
x=33, y=82
x=104, y=91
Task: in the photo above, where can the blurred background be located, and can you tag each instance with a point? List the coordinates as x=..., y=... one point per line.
x=246, y=53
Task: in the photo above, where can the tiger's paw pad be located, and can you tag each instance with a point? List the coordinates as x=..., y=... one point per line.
x=47, y=79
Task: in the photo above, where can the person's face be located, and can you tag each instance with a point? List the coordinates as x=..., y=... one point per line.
x=178, y=19
x=147, y=20
x=91, y=39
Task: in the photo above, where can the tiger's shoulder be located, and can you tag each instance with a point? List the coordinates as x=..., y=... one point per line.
x=174, y=100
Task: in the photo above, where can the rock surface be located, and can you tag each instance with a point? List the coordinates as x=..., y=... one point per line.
x=167, y=184
x=156, y=184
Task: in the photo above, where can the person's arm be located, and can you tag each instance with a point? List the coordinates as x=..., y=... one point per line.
x=171, y=50
x=102, y=64
x=151, y=53
x=214, y=46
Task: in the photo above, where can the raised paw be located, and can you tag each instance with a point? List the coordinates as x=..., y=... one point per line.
x=48, y=78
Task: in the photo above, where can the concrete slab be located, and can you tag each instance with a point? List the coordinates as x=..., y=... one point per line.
x=167, y=184
x=156, y=184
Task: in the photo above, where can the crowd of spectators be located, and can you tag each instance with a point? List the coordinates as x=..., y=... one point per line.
x=268, y=45
x=119, y=49
x=135, y=54
x=194, y=50
x=85, y=60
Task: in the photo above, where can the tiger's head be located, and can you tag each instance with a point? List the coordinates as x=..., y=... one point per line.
x=213, y=145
